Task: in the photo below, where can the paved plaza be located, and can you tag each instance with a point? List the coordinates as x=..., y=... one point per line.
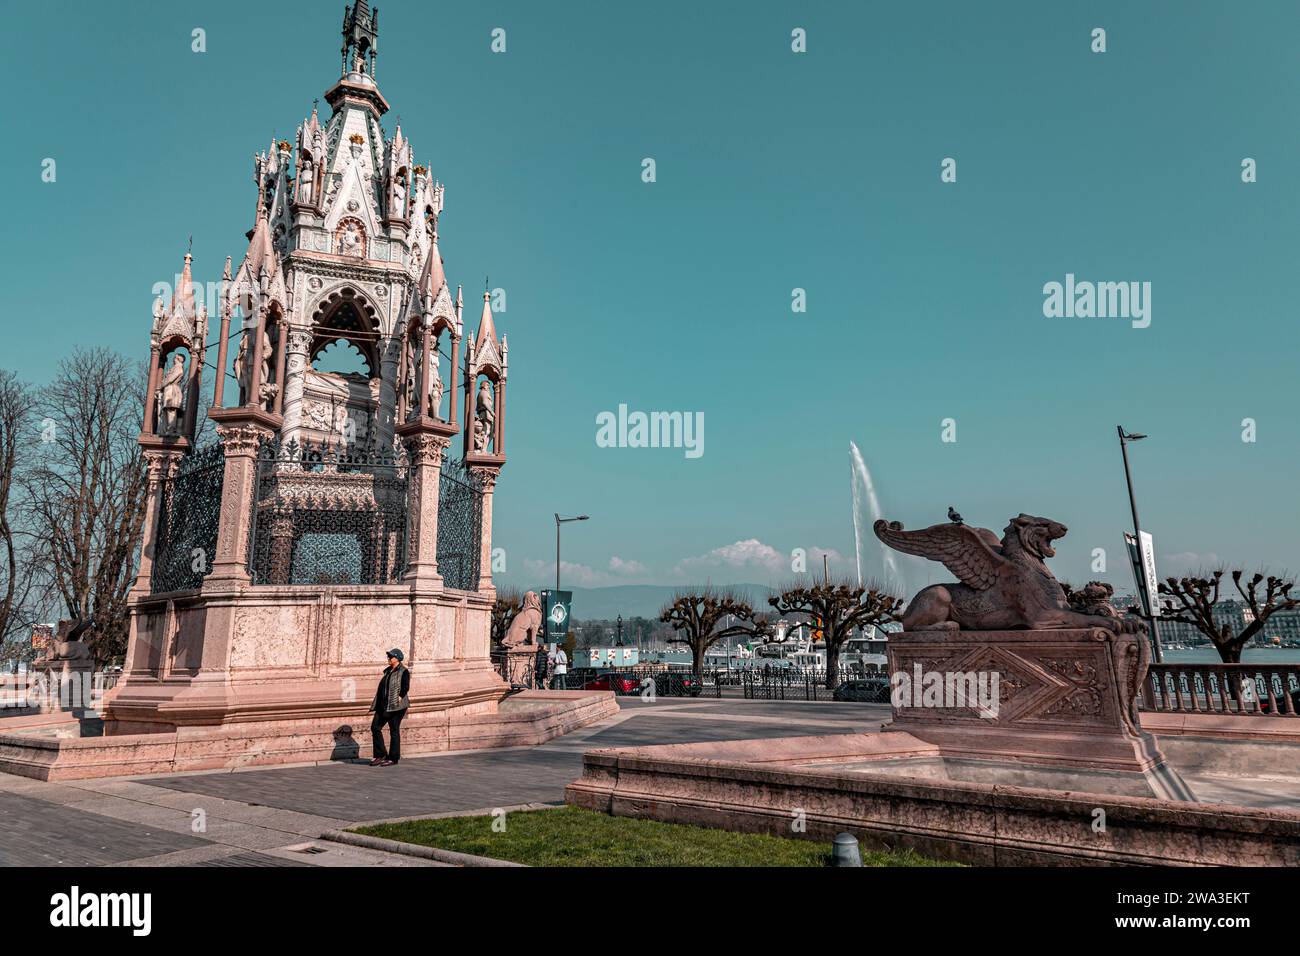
x=274, y=816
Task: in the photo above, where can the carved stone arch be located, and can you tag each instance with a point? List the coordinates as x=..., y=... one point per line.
x=443, y=311
x=275, y=310
x=490, y=372
x=345, y=313
x=173, y=340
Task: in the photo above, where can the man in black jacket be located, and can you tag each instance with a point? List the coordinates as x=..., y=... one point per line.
x=389, y=707
x=540, y=666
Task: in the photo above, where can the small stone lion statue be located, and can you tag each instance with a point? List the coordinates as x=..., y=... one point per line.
x=527, y=624
x=71, y=648
x=1094, y=599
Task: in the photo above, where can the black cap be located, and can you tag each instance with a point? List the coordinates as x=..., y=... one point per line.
x=396, y=653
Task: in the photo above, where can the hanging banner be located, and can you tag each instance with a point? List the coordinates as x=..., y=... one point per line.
x=1143, y=561
x=556, y=608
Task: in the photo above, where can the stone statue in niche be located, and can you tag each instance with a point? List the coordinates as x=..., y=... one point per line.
x=484, y=416
x=399, y=197
x=409, y=386
x=308, y=178
x=350, y=240
x=244, y=365
x=171, y=397
x=435, y=392
x=241, y=363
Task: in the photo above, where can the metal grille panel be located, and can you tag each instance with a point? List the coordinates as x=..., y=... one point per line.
x=328, y=515
x=460, y=525
x=187, y=522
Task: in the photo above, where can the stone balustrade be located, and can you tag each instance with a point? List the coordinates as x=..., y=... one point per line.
x=1271, y=690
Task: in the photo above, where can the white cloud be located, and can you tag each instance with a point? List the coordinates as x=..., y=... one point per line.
x=628, y=568
x=747, y=554
x=833, y=556
x=583, y=575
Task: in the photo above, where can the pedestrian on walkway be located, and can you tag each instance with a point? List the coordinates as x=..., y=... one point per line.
x=540, y=667
x=559, y=662
x=389, y=707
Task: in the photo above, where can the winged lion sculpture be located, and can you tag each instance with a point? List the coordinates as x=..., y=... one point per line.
x=1004, y=583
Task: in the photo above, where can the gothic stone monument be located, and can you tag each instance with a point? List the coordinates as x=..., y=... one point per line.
x=327, y=522
x=1065, y=682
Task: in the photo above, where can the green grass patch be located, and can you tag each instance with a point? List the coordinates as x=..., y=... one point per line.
x=570, y=836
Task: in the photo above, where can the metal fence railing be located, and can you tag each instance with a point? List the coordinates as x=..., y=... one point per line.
x=760, y=682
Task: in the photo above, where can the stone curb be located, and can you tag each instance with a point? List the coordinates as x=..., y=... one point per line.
x=412, y=849
x=445, y=814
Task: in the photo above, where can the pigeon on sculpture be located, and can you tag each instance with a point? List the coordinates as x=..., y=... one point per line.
x=953, y=516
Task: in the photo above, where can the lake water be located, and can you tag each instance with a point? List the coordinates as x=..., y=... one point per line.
x=1251, y=655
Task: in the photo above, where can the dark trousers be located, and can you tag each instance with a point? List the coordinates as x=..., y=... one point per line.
x=394, y=722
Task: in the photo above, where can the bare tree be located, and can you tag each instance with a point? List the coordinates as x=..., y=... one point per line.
x=695, y=616
x=1198, y=596
x=837, y=609
x=15, y=408
x=86, y=491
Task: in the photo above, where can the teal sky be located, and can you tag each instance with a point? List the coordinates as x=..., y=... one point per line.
x=775, y=171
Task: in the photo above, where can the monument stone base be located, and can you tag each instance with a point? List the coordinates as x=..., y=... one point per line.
x=524, y=719
x=1042, y=708
x=267, y=675
x=520, y=664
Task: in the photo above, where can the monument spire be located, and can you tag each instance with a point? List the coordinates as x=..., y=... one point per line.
x=356, y=83
x=360, y=38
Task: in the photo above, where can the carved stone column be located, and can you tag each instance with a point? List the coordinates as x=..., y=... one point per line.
x=390, y=356
x=151, y=394
x=281, y=531
x=240, y=439
x=295, y=370
x=487, y=478
x=424, y=449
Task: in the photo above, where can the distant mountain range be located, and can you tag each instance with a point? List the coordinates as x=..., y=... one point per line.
x=645, y=600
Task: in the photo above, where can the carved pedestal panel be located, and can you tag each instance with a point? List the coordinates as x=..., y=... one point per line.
x=1061, y=699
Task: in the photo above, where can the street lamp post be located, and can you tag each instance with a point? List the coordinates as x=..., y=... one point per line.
x=1153, y=599
x=559, y=521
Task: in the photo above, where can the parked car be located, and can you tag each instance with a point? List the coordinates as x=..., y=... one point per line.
x=869, y=690
x=678, y=684
x=621, y=684
x=1281, y=704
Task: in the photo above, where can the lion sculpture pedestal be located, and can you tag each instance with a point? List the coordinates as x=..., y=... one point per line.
x=1055, y=674
x=1037, y=708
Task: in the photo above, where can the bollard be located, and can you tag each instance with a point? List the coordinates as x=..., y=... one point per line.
x=845, y=850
